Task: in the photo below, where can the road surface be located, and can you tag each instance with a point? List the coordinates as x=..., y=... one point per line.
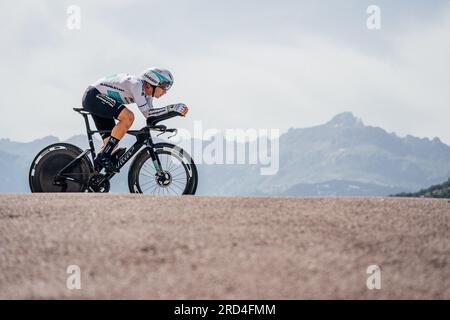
x=194, y=247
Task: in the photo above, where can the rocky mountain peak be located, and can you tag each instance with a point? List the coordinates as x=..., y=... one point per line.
x=345, y=119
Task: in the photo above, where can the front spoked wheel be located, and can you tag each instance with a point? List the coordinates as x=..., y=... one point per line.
x=179, y=172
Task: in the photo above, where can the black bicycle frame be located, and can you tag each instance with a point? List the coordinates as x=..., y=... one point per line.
x=143, y=138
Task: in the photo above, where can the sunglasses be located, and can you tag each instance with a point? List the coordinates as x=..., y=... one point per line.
x=165, y=85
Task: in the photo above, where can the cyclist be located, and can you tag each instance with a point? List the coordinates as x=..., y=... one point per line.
x=106, y=99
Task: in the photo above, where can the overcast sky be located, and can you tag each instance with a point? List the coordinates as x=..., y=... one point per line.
x=237, y=64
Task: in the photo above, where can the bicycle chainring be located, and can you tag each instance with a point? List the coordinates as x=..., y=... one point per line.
x=98, y=183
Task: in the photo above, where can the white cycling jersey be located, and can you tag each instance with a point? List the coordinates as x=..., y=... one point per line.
x=125, y=89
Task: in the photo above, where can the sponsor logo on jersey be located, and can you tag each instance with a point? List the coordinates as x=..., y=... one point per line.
x=111, y=86
x=106, y=100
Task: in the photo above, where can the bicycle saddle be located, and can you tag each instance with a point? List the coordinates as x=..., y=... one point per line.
x=81, y=111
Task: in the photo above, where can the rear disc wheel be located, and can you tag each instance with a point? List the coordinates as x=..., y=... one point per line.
x=50, y=161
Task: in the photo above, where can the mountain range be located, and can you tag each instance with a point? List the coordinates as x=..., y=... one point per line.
x=342, y=157
x=441, y=190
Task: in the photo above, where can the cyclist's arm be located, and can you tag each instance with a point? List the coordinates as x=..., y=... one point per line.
x=147, y=109
x=145, y=105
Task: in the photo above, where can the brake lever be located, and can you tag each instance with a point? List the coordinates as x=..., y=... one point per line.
x=170, y=130
x=175, y=133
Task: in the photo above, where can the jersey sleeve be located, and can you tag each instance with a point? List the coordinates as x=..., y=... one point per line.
x=145, y=104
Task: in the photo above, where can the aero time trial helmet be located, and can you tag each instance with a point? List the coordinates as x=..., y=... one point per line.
x=158, y=78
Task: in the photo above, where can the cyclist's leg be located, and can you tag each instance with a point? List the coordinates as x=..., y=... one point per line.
x=101, y=105
x=105, y=107
x=126, y=118
x=104, y=124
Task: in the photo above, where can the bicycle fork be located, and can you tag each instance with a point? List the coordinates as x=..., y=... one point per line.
x=155, y=161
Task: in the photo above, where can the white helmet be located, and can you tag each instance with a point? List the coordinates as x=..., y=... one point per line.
x=158, y=78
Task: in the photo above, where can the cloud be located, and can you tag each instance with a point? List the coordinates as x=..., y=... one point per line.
x=235, y=69
x=310, y=80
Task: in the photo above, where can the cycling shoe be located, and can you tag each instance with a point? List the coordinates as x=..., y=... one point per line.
x=105, y=161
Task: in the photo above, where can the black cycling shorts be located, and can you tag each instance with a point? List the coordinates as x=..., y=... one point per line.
x=103, y=109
